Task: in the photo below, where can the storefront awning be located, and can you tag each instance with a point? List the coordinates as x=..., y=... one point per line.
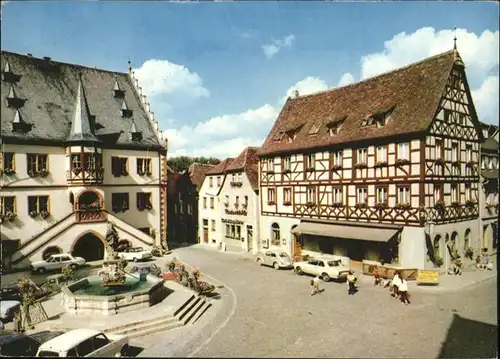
x=347, y=232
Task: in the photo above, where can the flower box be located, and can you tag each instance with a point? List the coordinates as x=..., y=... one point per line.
x=310, y=204
x=455, y=204
x=439, y=161
x=9, y=171
x=455, y=163
x=470, y=204
x=337, y=205
x=285, y=171
x=380, y=164
x=44, y=214
x=402, y=162
x=402, y=206
x=360, y=205
x=439, y=205
x=271, y=203
x=77, y=171
x=32, y=173
x=33, y=214
x=270, y=172
x=287, y=203
x=310, y=169
x=226, y=204
x=359, y=166
x=380, y=205
x=336, y=168
x=10, y=216
x=438, y=261
x=43, y=173
x=470, y=164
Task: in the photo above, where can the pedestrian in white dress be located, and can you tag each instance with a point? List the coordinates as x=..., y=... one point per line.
x=396, y=282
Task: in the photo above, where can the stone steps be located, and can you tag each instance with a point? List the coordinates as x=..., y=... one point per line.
x=195, y=308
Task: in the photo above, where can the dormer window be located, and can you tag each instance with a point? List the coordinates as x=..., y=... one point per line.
x=8, y=75
x=13, y=100
x=18, y=124
x=278, y=136
x=292, y=132
x=379, y=118
x=117, y=91
x=125, y=110
x=314, y=129
x=135, y=135
x=335, y=125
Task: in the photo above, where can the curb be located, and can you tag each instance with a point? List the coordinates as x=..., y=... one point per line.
x=451, y=290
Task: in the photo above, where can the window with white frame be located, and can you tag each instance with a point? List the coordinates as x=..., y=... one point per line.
x=404, y=195
x=213, y=225
x=362, y=155
x=381, y=195
x=438, y=192
x=287, y=195
x=270, y=165
x=486, y=162
x=271, y=195
x=204, y=202
x=454, y=193
x=468, y=153
x=211, y=181
x=468, y=192
x=403, y=151
x=337, y=158
x=382, y=154
x=438, y=149
x=337, y=195
x=286, y=163
x=309, y=161
x=218, y=181
x=311, y=195
x=362, y=195
x=212, y=202
x=454, y=151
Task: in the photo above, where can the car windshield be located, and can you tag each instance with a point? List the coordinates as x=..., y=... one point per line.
x=47, y=353
x=334, y=263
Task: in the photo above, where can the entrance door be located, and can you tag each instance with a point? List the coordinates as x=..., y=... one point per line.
x=250, y=238
x=355, y=250
x=205, y=230
x=89, y=247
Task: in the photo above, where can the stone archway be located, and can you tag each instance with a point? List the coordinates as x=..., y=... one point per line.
x=50, y=251
x=90, y=246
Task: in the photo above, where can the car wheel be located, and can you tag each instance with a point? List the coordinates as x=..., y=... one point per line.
x=325, y=277
x=259, y=261
x=298, y=270
x=41, y=270
x=276, y=265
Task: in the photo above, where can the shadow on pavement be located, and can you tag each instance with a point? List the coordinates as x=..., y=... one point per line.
x=213, y=295
x=470, y=339
x=133, y=351
x=172, y=246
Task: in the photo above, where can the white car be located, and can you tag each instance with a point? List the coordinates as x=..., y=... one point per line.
x=135, y=254
x=57, y=261
x=276, y=258
x=326, y=268
x=85, y=343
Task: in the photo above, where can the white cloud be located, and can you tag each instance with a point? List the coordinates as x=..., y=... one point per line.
x=486, y=100
x=159, y=77
x=306, y=86
x=276, y=45
x=346, y=79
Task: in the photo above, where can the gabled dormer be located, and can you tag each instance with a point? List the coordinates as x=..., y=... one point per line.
x=135, y=135
x=334, y=125
x=379, y=118
x=292, y=131
x=8, y=75
x=19, y=125
x=14, y=101
x=126, y=112
x=117, y=91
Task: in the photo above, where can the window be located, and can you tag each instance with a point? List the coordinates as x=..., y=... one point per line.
x=468, y=192
x=438, y=193
x=362, y=195
x=237, y=201
x=447, y=115
x=381, y=195
x=454, y=193
x=8, y=205
x=246, y=201
x=99, y=341
x=278, y=136
x=286, y=163
x=228, y=230
x=8, y=161
x=287, y=195
x=212, y=203
x=337, y=195
x=454, y=151
x=334, y=129
x=144, y=201
x=218, y=181
x=382, y=154
x=309, y=161
x=438, y=149
x=38, y=205
x=486, y=162
x=211, y=181
x=311, y=195
x=119, y=166
x=314, y=129
x=213, y=225
x=76, y=163
x=362, y=155
x=403, y=195
x=275, y=233
x=337, y=158
x=204, y=202
x=144, y=166
x=119, y=202
x=85, y=347
x=36, y=163
x=226, y=202
x=269, y=165
x=190, y=209
x=90, y=162
x=468, y=153
x=271, y=196
x=494, y=163
x=404, y=151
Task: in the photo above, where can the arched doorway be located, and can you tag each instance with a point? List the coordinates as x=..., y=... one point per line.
x=50, y=251
x=275, y=234
x=90, y=247
x=466, y=240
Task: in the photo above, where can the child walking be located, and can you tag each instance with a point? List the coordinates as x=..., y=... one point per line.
x=403, y=292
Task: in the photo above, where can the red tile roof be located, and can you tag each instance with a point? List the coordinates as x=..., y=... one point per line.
x=197, y=173
x=414, y=92
x=221, y=167
x=247, y=161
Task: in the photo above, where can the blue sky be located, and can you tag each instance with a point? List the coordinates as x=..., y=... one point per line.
x=216, y=73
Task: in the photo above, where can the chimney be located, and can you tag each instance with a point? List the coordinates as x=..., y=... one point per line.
x=295, y=94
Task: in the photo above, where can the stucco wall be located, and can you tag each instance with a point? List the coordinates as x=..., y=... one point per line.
x=285, y=228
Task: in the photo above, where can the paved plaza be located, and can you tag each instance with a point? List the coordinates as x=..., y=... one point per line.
x=268, y=313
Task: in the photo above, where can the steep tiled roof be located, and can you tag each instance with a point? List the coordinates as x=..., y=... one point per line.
x=413, y=92
x=221, y=167
x=490, y=145
x=197, y=173
x=50, y=89
x=248, y=162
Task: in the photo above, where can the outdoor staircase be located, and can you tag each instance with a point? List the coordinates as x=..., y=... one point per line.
x=188, y=313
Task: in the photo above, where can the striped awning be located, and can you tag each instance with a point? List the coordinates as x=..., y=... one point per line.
x=346, y=232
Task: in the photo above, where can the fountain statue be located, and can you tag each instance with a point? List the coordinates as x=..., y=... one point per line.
x=112, y=272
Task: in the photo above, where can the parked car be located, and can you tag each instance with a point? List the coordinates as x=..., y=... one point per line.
x=276, y=258
x=135, y=254
x=13, y=292
x=327, y=268
x=8, y=308
x=84, y=342
x=145, y=268
x=57, y=261
x=13, y=344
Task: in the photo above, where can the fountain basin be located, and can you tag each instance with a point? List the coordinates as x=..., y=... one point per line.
x=88, y=297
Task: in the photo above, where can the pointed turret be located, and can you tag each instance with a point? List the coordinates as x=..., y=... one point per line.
x=18, y=124
x=82, y=127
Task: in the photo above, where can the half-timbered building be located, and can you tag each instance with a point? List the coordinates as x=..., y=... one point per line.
x=209, y=226
x=80, y=149
x=183, y=204
x=488, y=194
x=386, y=168
x=239, y=194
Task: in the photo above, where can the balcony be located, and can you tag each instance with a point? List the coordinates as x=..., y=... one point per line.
x=85, y=175
x=89, y=208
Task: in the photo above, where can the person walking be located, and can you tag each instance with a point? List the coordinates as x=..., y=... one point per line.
x=315, y=285
x=396, y=282
x=351, y=283
x=403, y=292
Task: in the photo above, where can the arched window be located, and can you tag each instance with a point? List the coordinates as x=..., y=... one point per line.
x=466, y=239
x=50, y=251
x=275, y=234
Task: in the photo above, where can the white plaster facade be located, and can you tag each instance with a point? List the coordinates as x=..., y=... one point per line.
x=209, y=210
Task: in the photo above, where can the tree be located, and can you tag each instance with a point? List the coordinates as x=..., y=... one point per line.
x=182, y=163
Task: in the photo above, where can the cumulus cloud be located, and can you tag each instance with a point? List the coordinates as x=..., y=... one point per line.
x=346, y=79
x=306, y=86
x=160, y=77
x=486, y=100
x=276, y=45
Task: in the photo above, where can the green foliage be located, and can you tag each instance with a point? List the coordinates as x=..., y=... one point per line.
x=182, y=163
x=69, y=273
